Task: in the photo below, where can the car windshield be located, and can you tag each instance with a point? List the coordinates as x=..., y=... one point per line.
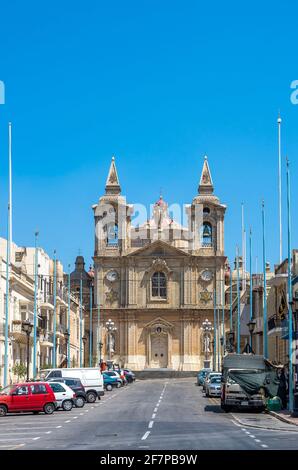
x=7, y=390
x=215, y=380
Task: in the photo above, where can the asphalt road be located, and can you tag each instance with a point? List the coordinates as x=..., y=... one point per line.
x=155, y=415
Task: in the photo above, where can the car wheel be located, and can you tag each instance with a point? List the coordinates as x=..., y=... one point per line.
x=109, y=387
x=67, y=405
x=80, y=402
x=49, y=408
x=91, y=397
x=3, y=410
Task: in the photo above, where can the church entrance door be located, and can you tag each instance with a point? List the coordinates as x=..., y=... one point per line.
x=159, y=351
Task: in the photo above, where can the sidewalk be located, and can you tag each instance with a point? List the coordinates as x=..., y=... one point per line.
x=284, y=415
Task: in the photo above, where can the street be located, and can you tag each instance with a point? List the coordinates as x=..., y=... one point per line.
x=160, y=414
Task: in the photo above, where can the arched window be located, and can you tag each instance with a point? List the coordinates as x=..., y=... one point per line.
x=112, y=234
x=206, y=234
x=159, y=285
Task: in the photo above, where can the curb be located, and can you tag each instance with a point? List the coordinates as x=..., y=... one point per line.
x=282, y=418
x=258, y=426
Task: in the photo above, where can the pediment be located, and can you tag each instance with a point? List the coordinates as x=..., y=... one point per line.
x=159, y=322
x=159, y=249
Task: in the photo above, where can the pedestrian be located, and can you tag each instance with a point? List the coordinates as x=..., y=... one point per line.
x=282, y=389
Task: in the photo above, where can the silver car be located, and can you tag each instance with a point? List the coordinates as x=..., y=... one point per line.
x=213, y=387
x=208, y=378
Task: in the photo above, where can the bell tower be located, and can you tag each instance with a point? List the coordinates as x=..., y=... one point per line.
x=206, y=218
x=112, y=216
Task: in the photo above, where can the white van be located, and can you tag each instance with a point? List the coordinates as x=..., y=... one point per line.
x=91, y=378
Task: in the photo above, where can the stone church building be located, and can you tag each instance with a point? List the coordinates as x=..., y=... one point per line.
x=157, y=282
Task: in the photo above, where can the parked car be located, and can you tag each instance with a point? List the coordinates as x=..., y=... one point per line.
x=110, y=382
x=201, y=376
x=129, y=375
x=208, y=377
x=91, y=378
x=65, y=396
x=33, y=396
x=77, y=386
x=213, y=387
x=113, y=373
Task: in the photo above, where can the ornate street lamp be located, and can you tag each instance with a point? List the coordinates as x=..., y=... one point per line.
x=27, y=328
x=231, y=337
x=251, y=327
x=66, y=336
x=84, y=339
x=100, y=345
x=207, y=328
x=110, y=326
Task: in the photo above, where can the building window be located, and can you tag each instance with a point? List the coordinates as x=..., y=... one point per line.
x=206, y=210
x=159, y=285
x=112, y=234
x=206, y=234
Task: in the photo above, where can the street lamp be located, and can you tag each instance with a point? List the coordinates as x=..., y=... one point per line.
x=251, y=327
x=100, y=345
x=207, y=328
x=84, y=339
x=27, y=328
x=66, y=336
x=110, y=326
x=231, y=337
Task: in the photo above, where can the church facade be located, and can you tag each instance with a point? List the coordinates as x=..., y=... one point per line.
x=159, y=281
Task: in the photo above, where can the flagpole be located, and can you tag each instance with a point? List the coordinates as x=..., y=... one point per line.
x=35, y=305
x=215, y=332
x=265, y=329
x=243, y=248
x=55, y=311
x=290, y=296
x=81, y=319
x=68, y=318
x=238, y=301
x=231, y=300
x=8, y=254
x=218, y=334
x=90, y=329
x=279, y=188
x=250, y=281
x=223, y=319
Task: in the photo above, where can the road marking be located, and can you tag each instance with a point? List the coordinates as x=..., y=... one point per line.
x=145, y=435
x=74, y=417
x=27, y=432
x=257, y=440
x=155, y=410
x=35, y=438
x=264, y=445
x=18, y=438
x=251, y=435
x=48, y=432
x=153, y=416
x=81, y=414
x=57, y=427
x=150, y=424
x=67, y=421
x=33, y=427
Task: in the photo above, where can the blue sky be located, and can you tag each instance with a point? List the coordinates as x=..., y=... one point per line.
x=158, y=84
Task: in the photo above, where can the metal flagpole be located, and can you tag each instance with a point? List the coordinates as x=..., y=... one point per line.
x=290, y=296
x=218, y=335
x=81, y=320
x=279, y=188
x=223, y=319
x=90, y=330
x=265, y=329
x=68, y=318
x=231, y=300
x=238, y=301
x=250, y=281
x=98, y=333
x=8, y=254
x=243, y=248
x=35, y=305
x=215, y=332
x=55, y=311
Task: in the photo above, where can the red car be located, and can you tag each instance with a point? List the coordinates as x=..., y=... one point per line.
x=30, y=396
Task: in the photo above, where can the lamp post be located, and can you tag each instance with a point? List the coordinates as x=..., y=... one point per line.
x=27, y=328
x=251, y=327
x=84, y=339
x=100, y=345
x=294, y=305
x=207, y=328
x=110, y=326
x=66, y=336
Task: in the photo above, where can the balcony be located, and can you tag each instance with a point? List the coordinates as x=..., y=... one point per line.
x=60, y=330
x=46, y=339
x=17, y=332
x=47, y=301
x=62, y=297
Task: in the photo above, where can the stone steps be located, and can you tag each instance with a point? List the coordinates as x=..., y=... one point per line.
x=163, y=374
